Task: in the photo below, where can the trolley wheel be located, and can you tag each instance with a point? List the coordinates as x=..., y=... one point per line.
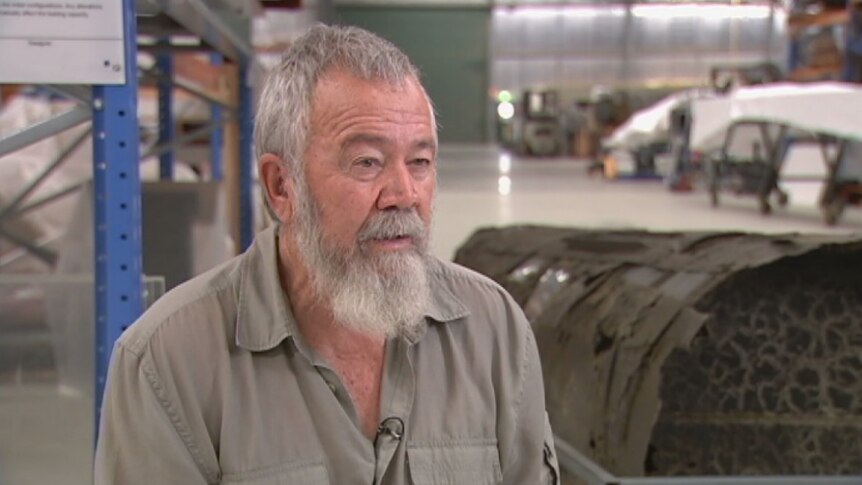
x=765, y=208
x=833, y=209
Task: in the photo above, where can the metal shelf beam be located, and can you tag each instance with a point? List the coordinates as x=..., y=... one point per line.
x=58, y=160
x=40, y=131
x=199, y=19
x=171, y=145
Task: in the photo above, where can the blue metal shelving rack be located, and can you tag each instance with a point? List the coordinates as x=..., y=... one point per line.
x=116, y=153
x=118, y=281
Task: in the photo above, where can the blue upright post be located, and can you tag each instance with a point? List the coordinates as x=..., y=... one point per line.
x=117, y=206
x=794, y=55
x=794, y=46
x=853, y=44
x=245, y=135
x=165, y=67
x=216, y=138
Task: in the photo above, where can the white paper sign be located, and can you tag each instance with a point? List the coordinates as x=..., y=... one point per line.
x=62, y=42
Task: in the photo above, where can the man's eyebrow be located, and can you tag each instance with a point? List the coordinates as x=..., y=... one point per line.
x=426, y=144
x=360, y=138
x=367, y=138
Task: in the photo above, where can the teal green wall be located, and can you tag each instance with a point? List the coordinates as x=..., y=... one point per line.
x=450, y=47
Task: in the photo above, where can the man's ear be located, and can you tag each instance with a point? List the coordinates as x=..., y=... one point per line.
x=275, y=181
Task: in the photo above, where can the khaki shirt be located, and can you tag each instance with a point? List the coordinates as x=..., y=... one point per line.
x=213, y=384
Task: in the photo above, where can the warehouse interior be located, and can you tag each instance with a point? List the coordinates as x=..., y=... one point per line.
x=590, y=153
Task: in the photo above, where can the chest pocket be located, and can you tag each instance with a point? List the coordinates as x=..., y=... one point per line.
x=454, y=464
x=290, y=474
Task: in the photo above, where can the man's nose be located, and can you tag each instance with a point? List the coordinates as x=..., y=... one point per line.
x=399, y=188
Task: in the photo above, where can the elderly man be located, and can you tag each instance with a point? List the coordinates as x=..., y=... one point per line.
x=336, y=349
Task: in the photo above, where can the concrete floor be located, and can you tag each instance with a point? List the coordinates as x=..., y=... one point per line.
x=484, y=186
x=46, y=435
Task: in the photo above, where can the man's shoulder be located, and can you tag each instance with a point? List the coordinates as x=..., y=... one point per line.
x=455, y=275
x=188, y=308
x=491, y=326
x=478, y=295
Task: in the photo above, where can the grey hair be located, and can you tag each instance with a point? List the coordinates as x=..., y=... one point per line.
x=284, y=108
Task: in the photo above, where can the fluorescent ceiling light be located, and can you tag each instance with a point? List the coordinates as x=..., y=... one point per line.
x=570, y=11
x=591, y=11
x=705, y=11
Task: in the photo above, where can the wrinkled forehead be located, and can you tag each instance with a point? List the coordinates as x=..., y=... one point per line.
x=356, y=90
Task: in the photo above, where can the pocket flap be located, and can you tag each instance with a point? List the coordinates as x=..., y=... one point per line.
x=302, y=473
x=455, y=464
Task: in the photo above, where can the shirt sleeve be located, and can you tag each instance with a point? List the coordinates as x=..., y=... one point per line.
x=141, y=438
x=532, y=457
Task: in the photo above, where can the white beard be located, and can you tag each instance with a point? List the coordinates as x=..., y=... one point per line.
x=375, y=294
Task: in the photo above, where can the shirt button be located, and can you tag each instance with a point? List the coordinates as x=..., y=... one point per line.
x=332, y=387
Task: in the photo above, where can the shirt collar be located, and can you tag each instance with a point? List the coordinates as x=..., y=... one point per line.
x=264, y=316
x=445, y=306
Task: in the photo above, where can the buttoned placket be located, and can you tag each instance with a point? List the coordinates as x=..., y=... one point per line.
x=397, y=393
x=331, y=379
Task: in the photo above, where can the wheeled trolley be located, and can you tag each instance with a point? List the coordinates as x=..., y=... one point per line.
x=749, y=163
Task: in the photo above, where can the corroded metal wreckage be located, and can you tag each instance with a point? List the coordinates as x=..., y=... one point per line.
x=692, y=353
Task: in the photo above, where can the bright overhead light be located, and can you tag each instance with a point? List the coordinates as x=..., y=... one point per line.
x=505, y=163
x=539, y=12
x=504, y=185
x=706, y=11
x=552, y=11
x=506, y=110
x=590, y=11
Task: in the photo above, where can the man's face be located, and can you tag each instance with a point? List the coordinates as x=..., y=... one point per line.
x=371, y=150
x=363, y=209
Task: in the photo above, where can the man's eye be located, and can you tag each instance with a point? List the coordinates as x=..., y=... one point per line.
x=421, y=163
x=366, y=167
x=421, y=167
x=366, y=163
